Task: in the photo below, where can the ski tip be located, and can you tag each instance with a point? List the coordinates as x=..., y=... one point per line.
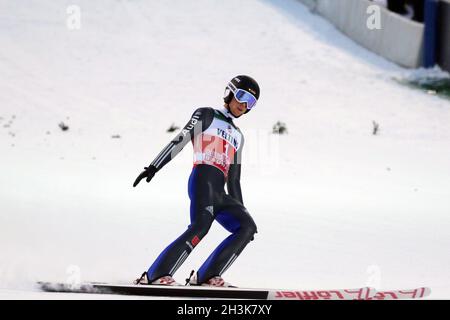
x=364, y=293
x=402, y=294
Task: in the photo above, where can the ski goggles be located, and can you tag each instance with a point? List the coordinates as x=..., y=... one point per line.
x=243, y=96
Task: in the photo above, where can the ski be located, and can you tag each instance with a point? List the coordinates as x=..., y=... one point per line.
x=365, y=293
x=210, y=292
x=404, y=294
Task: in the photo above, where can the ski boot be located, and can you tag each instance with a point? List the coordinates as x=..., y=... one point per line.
x=163, y=281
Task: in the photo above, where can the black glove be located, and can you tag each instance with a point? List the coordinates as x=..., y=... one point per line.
x=148, y=173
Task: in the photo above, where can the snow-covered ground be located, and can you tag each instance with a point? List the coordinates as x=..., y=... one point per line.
x=335, y=205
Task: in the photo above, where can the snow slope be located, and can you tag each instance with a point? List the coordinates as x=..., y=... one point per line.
x=335, y=205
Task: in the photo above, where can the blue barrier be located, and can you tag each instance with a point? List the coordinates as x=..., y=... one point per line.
x=443, y=35
x=430, y=37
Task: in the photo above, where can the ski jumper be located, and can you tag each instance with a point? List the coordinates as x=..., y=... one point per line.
x=218, y=147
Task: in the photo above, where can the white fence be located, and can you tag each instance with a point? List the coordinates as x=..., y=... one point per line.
x=399, y=39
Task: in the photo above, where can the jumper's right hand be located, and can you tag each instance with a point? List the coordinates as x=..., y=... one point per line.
x=148, y=173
